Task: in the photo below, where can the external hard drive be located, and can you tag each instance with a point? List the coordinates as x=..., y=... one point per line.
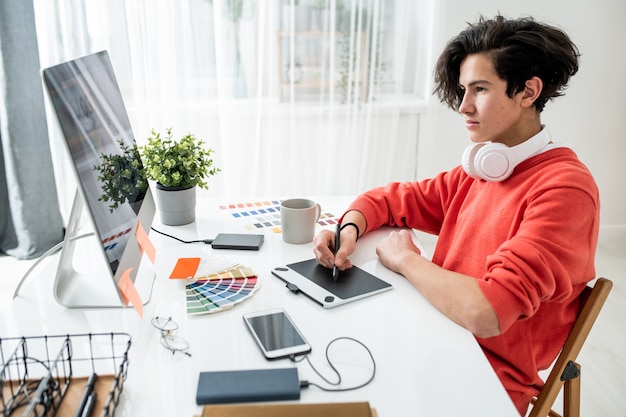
x=239, y=241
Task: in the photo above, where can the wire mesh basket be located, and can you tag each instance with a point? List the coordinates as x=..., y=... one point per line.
x=47, y=375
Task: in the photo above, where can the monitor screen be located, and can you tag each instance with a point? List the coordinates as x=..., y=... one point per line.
x=91, y=114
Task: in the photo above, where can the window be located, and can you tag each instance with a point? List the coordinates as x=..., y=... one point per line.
x=271, y=85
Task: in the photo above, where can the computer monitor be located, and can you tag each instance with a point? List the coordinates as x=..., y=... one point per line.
x=112, y=189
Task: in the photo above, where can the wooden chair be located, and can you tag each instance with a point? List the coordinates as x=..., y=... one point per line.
x=566, y=372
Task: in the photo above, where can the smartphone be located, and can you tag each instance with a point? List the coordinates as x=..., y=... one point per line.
x=276, y=334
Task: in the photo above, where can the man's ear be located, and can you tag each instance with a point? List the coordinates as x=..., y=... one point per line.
x=532, y=90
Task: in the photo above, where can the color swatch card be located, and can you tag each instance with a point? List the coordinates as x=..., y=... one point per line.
x=215, y=285
x=265, y=214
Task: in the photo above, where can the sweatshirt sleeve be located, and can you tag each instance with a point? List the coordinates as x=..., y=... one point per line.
x=419, y=205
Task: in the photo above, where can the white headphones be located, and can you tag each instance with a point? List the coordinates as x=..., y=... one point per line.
x=493, y=161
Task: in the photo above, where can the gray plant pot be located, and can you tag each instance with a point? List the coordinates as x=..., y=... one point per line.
x=176, y=206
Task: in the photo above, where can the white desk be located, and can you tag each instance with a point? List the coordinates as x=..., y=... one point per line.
x=427, y=365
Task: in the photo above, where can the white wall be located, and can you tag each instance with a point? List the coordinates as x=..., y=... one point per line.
x=590, y=116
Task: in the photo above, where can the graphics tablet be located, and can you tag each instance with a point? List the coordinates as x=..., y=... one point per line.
x=315, y=281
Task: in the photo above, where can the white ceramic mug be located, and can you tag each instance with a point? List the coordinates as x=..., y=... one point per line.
x=298, y=217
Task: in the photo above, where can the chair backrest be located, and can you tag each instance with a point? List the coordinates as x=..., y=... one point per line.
x=592, y=300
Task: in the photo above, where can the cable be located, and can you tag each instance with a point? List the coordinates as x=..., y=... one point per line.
x=59, y=245
x=49, y=252
x=206, y=241
x=305, y=383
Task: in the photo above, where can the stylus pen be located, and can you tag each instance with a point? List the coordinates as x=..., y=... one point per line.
x=337, y=233
x=86, y=394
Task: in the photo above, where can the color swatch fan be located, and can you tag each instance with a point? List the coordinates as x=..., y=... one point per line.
x=216, y=285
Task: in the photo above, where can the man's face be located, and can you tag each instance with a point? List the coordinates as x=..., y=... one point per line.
x=490, y=115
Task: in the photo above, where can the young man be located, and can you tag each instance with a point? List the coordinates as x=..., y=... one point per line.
x=517, y=221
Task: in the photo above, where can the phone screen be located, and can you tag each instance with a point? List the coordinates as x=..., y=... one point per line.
x=276, y=334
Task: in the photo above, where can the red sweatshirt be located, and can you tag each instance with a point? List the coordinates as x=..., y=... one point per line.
x=530, y=241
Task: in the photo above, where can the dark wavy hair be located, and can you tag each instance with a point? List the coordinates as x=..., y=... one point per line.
x=520, y=49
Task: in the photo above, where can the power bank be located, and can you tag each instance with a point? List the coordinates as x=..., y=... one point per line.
x=239, y=241
x=248, y=386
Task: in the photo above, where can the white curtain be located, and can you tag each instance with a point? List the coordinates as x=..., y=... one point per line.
x=297, y=97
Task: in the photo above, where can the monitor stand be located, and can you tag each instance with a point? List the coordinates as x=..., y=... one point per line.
x=84, y=278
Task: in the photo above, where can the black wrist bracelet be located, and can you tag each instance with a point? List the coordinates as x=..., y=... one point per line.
x=358, y=232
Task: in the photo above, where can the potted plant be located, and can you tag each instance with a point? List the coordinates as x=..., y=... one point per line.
x=122, y=178
x=178, y=167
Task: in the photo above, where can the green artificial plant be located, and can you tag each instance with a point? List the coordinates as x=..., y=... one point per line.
x=182, y=164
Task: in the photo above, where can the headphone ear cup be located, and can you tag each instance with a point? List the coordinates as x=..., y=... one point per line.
x=494, y=162
x=467, y=160
x=487, y=161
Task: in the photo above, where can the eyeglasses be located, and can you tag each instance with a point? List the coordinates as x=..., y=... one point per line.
x=169, y=340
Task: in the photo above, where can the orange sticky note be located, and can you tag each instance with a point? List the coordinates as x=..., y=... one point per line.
x=144, y=242
x=185, y=268
x=129, y=292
